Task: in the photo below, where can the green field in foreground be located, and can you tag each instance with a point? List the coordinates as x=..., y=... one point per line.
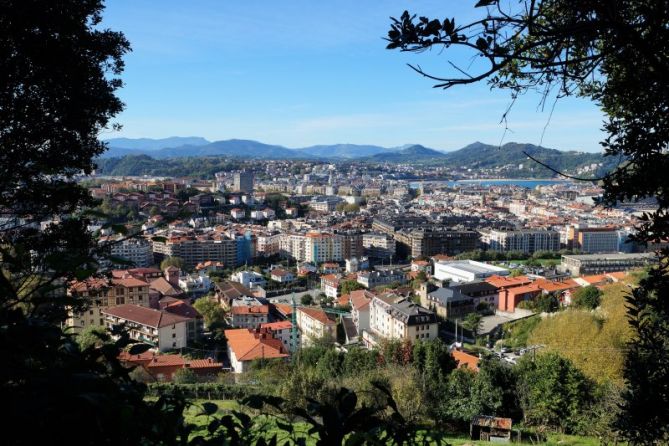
x=269, y=428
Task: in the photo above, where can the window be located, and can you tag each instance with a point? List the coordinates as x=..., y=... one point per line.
x=90, y=312
x=174, y=335
x=174, y=345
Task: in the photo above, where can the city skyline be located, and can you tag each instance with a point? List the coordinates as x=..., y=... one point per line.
x=304, y=74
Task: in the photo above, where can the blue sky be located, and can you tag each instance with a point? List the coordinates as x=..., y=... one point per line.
x=299, y=73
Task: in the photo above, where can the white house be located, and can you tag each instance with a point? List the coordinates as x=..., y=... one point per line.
x=163, y=330
x=250, y=279
x=282, y=276
x=246, y=346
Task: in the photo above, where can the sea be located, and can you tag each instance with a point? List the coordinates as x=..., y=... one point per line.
x=529, y=184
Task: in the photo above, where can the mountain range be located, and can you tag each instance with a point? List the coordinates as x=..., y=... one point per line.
x=145, y=151
x=176, y=147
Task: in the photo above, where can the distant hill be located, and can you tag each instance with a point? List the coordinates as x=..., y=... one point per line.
x=510, y=160
x=346, y=151
x=408, y=154
x=189, y=147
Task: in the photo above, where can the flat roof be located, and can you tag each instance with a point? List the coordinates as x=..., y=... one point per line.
x=471, y=266
x=613, y=256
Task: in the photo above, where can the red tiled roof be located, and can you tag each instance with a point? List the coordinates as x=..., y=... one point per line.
x=595, y=279
x=318, y=315
x=549, y=286
x=466, y=360
x=145, y=316
x=360, y=299
x=248, y=345
x=505, y=282
x=250, y=309
x=280, y=325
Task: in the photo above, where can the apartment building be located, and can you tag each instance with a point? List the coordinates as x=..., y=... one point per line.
x=399, y=318
x=323, y=247
x=161, y=329
x=378, y=245
x=101, y=294
x=196, y=249
x=426, y=242
x=248, y=313
x=315, y=323
x=372, y=279
x=527, y=241
x=136, y=250
x=605, y=263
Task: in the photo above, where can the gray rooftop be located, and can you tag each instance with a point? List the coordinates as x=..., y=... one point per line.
x=618, y=256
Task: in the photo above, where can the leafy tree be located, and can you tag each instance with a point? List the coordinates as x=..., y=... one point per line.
x=472, y=323
x=458, y=403
x=184, y=376
x=358, y=360
x=330, y=364
x=212, y=312
x=552, y=392
x=547, y=303
x=92, y=336
x=587, y=297
x=350, y=285
x=172, y=261
x=306, y=299
x=612, y=53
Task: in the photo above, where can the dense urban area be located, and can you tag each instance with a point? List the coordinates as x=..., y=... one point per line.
x=190, y=290
x=288, y=276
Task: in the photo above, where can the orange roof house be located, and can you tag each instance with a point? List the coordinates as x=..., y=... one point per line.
x=509, y=298
x=163, y=367
x=247, y=345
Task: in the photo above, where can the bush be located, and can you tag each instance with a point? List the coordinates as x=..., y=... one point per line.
x=587, y=298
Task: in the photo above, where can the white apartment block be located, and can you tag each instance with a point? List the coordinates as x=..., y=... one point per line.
x=314, y=247
x=527, y=241
x=136, y=250
x=399, y=318
x=163, y=330
x=314, y=323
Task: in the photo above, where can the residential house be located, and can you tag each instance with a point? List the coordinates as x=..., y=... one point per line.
x=372, y=279
x=282, y=276
x=227, y=292
x=246, y=346
x=163, y=367
x=250, y=279
x=315, y=323
x=248, y=313
x=399, y=318
x=101, y=294
x=283, y=331
x=330, y=285
x=162, y=329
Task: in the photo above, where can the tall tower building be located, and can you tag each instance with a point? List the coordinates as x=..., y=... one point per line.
x=243, y=182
